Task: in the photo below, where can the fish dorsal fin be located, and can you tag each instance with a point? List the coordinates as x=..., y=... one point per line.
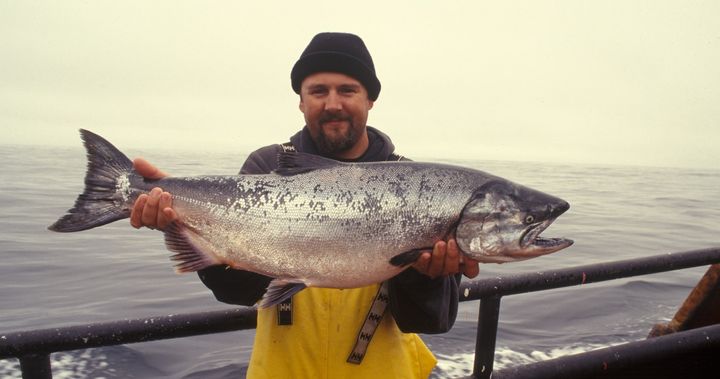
x=290, y=163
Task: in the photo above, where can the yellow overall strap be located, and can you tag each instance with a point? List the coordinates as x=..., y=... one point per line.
x=284, y=308
x=372, y=320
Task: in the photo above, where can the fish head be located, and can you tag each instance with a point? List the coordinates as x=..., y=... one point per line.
x=502, y=222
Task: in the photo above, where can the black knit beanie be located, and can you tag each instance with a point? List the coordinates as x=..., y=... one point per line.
x=337, y=52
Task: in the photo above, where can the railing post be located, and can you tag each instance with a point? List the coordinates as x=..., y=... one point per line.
x=488, y=317
x=35, y=366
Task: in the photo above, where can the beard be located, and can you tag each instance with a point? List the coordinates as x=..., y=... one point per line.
x=339, y=140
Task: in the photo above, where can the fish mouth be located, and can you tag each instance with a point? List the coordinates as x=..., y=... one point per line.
x=531, y=242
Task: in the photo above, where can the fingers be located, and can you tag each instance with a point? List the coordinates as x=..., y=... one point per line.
x=471, y=268
x=433, y=263
x=446, y=259
x=153, y=210
x=452, y=258
x=164, y=202
x=422, y=264
x=147, y=170
x=137, y=211
x=170, y=215
x=150, y=216
x=437, y=261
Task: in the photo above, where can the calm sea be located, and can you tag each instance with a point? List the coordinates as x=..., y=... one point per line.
x=49, y=279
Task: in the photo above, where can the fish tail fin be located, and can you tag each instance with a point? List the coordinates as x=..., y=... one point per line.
x=191, y=251
x=106, y=197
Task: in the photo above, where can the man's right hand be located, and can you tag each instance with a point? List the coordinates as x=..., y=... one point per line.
x=153, y=210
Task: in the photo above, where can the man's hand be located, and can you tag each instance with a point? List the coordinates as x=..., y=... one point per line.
x=446, y=259
x=153, y=210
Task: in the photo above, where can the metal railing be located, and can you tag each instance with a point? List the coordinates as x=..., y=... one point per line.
x=490, y=291
x=33, y=348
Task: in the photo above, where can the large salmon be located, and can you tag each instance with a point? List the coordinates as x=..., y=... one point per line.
x=322, y=223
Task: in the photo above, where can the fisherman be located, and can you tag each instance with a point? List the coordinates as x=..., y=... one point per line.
x=364, y=332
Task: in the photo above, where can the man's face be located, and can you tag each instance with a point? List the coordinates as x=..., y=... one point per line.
x=336, y=109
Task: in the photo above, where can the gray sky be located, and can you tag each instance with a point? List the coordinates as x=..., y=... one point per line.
x=620, y=82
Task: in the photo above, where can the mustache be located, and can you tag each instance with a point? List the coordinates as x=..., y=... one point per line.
x=329, y=117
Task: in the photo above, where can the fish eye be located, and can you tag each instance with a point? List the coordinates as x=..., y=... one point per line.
x=529, y=219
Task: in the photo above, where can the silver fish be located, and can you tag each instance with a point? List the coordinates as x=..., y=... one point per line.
x=316, y=222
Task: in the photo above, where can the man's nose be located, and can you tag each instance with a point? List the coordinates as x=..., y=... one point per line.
x=333, y=102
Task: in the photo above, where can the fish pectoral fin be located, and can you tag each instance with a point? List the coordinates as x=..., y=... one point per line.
x=280, y=290
x=408, y=257
x=192, y=251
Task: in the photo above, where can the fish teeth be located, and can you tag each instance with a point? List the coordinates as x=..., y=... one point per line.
x=532, y=235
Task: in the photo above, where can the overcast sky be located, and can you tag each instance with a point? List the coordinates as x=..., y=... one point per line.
x=619, y=82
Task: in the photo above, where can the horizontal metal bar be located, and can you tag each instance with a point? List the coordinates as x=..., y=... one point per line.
x=654, y=357
x=18, y=344
x=544, y=280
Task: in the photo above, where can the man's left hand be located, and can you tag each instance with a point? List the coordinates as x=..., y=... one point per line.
x=446, y=259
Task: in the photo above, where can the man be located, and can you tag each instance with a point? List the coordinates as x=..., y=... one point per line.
x=323, y=332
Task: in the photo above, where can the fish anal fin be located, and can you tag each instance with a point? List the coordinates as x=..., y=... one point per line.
x=408, y=257
x=191, y=250
x=280, y=290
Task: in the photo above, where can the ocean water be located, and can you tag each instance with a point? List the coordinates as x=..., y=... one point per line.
x=114, y=272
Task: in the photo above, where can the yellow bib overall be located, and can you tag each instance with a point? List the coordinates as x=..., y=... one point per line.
x=324, y=328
